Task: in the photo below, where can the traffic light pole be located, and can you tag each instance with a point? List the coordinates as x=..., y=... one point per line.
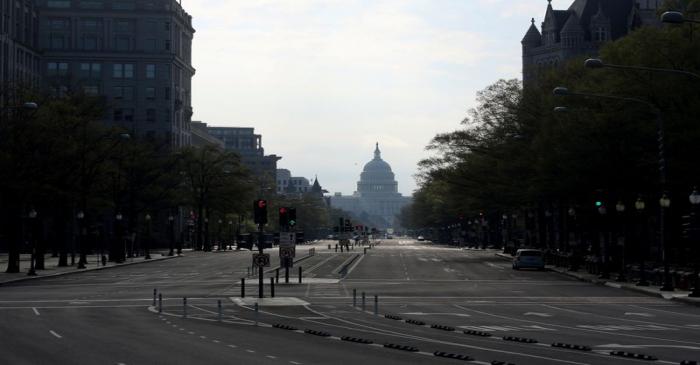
x=261, y=242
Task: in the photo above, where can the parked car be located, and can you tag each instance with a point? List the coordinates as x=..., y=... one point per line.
x=528, y=258
x=421, y=238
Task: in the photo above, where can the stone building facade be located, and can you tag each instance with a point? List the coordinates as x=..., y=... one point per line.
x=19, y=59
x=136, y=53
x=377, y=200
x=582, y=29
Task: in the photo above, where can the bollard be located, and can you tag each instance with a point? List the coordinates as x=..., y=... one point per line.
x=329, y=246
x=277, y=275
x=299, y=274
x=160, y=303
x=336, y=247
x=376, y=305
x=363, y=301
x=256, y=314
x=154, y=296
x=354, y=298
x=242, y=287
x=184, y=307
x=272, y=287
x=218, y=302
x=365, y=250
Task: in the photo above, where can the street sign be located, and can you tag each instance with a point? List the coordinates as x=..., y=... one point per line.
x=287, y=239
x=261, y=259
x=287, y=252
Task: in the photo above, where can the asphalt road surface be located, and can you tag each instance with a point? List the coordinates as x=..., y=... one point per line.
x=464, y=304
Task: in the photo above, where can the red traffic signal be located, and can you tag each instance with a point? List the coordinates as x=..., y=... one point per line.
x=262, y=204
x=283, y=210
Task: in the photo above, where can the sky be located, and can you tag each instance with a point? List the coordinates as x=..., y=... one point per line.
x=324, y=80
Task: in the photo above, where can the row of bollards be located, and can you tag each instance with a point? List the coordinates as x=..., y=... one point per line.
x=159, y=302
x=273, y=280
x=364, y=300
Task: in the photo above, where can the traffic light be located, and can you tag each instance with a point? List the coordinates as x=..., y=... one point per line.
x=284, y=217
x=292, y=212
x=260, y=211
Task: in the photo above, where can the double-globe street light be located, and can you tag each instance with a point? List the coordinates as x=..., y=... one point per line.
x=639, y=206
x=664, y=201
x=621, y=239
x=32, y=237
x=676, y=17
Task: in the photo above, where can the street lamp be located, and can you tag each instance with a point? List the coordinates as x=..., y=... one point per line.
x=218, y=234
x=573, y=265
x=81, y=239
x=596, y=63
x=120, y=250
x=676, y=17
x=32, y=218
x=171, y=234
x=665, y=203
x=640, y=205
x=148, y=237
x=694, y=199
x=620, y=208
x=603, y=211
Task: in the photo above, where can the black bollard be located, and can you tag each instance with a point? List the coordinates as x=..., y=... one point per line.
x=160, y=303
x=242, y=287
x=155, y=292
x=277, y=275
x=299, y=274
x=272, y=287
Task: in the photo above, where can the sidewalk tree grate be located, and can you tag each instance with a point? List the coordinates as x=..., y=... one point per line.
x=357, y=340
x=477, y=333
x=391, y=316
x=401, y=347
x=284, y=327
x=441, y=327
x=633, y=355
x=317, y=333
x=519, y=339
x=450, y=355
x=416, y=322
x=570, y=346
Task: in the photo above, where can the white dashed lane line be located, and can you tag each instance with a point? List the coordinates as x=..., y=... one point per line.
x=35, y=311
x=55, y=334
x=271, y=357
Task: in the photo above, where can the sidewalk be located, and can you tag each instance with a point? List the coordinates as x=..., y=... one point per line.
x=677, y=295
x=52, y=269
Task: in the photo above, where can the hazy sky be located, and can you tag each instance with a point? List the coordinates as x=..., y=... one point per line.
x=323, y=80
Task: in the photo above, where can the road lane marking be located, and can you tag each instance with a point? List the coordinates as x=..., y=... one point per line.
x=271, y=357
x=295, y=363
x=233, y=346
x=615, y=346
x=435, y=314
x=55, y=334
x=537, y=314
x=35, y=311
x=251, y=351
x=638, y=314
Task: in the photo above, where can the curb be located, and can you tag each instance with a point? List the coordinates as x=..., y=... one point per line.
x=78, y=271
x=613, y=284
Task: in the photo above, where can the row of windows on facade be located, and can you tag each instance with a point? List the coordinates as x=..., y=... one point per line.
x=120, y=25
x=21, y=25
x=93, y=42
x=99, y=4
x=600, y=34
x=127, y=115
x=94, y=70
x=286, y=182
x=298, y=190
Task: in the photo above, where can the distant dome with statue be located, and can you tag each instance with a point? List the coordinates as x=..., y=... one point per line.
x=377, y=199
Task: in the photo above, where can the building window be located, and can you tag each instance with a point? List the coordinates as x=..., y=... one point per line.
x=90, y=70
x=123, y=71
x=58, y=24
x=91, y=4
x=150, y=71
x=91, y=43
x=167, y=93
x=150, y=93
x=57, y=41
x=122, y=43
x=57, y=68
x=128, y=115
x=60, y=4
x=167, y=45
x=150, y=115
x=167, y=25
x=123, y=5
x=123, y=93
x=123, y=26
x=92, y=25
x=118, y=115
x=150, y=45
x=91, y=90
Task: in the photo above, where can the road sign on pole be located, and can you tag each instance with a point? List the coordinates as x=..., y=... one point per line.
x=287, y=252
x=287, y=239
x=261, y=260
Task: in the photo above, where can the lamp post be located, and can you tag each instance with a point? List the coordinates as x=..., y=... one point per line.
x=81, y=239
x=119, y=249
x=621, y=239
x=32, y=222
x=605, y=274
x=171, y=234
x=218, y=234
x=676, y=17
x=148, y=237
x=230, y=234
x=573, y=246
x=640, y=205
x=206, y=234
x=694, y=199
x=665, y=203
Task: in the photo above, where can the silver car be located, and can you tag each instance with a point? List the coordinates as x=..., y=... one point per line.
x=528, y=258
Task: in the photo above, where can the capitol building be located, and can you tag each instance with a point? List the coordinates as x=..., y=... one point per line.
x=377, y=200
